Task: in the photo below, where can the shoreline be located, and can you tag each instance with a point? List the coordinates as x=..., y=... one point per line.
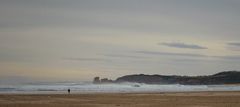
x=79, y=92
x=82, y=93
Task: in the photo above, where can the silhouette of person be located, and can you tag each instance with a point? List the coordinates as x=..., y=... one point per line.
x=69, y=91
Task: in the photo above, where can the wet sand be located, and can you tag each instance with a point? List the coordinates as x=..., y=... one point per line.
x=186, y=99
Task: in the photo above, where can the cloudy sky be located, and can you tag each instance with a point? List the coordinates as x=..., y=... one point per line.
x=80, y=39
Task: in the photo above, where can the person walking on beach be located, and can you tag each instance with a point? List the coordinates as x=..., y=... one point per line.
x=69, y=91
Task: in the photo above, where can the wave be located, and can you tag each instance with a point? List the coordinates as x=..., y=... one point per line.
x=112, y=88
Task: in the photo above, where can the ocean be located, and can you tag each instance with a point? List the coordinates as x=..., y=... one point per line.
x=88, y=87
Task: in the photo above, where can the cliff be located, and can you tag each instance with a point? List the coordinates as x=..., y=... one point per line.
x=228, y=77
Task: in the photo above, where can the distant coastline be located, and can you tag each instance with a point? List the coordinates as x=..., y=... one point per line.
x=221, y=78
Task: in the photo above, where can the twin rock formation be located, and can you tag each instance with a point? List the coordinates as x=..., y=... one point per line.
x=97, y=80
x=227, y=77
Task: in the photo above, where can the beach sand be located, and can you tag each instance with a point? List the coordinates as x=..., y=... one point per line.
x=183, y=99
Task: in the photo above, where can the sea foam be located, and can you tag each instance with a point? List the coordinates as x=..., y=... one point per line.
x=111, y=88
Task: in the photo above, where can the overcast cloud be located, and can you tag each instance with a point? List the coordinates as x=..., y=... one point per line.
x=80, y=39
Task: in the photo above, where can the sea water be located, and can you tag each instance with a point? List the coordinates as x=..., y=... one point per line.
x=88, y=87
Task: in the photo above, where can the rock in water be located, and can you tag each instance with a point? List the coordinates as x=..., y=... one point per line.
x=96, y=80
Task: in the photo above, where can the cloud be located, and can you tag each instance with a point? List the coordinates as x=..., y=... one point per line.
x=87, y=59
x=230, y=57
x=235, y=46
x=124, y=56
x=183, y=45
x=171, y=54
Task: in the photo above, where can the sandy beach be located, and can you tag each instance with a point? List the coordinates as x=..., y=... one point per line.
x=181, y=99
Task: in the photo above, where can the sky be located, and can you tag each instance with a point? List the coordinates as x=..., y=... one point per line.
x=77, y=40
